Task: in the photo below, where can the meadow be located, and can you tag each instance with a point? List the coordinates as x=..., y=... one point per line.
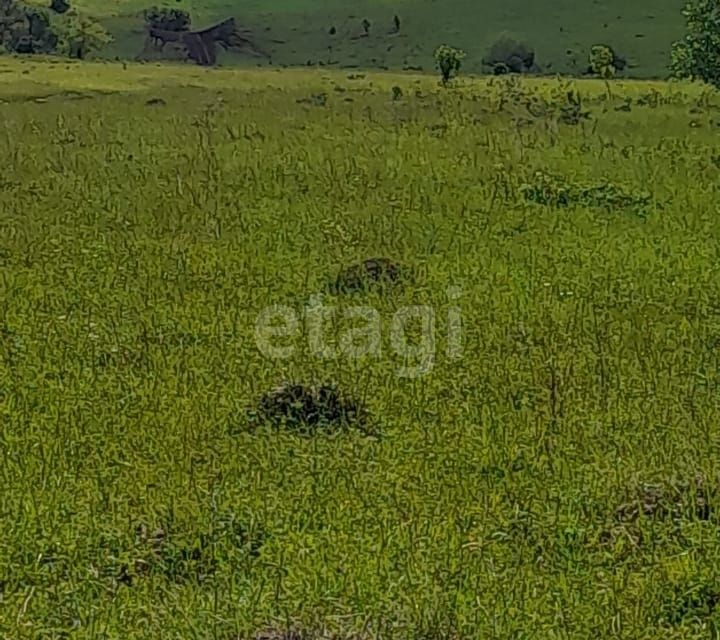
x=558, y=481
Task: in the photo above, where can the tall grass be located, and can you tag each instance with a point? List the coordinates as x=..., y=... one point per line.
x=139, y=242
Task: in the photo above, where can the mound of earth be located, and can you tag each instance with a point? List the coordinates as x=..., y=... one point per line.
x=307, y=408
x=366, y=275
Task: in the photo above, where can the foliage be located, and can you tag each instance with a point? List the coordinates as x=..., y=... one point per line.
x=569, y=103
x=602, y=61
x=167, y=19
x=697, y=55
x=508, y=55
x=448, y=61
x=80, y=36
x=25, y=29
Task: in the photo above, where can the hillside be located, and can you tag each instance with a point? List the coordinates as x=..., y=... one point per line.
x=296, y=32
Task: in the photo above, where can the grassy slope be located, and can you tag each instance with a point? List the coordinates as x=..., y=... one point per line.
x=133, y=268
x=641, y=30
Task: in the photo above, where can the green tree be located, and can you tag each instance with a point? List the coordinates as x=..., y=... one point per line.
x=602, y=61
x=80, y=36
x=448, y=60
x=697, y=55
x=167, y=19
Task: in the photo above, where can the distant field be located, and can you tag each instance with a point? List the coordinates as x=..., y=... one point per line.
x=296, y=31
x=558, y=481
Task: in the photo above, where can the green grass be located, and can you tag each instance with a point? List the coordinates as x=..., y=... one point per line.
x=138, y=244
x=562, y=31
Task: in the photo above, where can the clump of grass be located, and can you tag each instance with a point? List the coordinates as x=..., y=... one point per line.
x=552, y=190
x=668, y=500
x=374, y=273
x=663, y=504
x=308, y=408
x=162, y=551
x=316, y=99
x=571, y=111
x=692, y=600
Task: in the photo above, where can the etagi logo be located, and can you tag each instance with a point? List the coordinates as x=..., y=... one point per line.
x=362, y=338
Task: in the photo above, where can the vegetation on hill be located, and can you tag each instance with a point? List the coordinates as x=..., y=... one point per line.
x=300, y=32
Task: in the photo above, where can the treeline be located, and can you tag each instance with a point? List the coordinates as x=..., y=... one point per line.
x=59, y=29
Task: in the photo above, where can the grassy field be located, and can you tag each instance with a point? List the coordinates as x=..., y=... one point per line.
x=295, y=32
x=545, y=485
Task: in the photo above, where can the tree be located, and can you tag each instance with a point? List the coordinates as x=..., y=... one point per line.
x=167, y=19
x=508, y=55
x=25, y=29
x=80, y=36
x=602, y=61
x=448, y=61
x=697, y=55
x=13, y=24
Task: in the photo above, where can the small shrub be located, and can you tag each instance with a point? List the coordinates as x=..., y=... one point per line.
x=508, y=55
x=449, y=61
